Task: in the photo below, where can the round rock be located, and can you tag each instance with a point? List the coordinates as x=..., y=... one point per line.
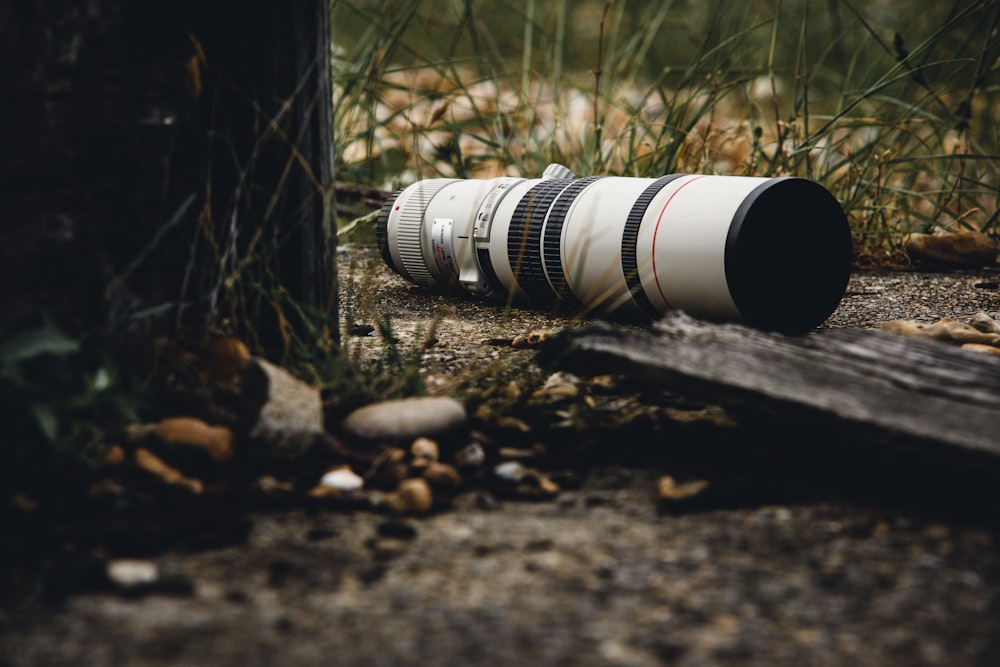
x=342, y=479
x=291, y=417
x=964, y=249
x=406, y=418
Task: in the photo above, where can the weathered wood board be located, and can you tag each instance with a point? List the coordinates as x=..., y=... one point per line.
x=853, y=384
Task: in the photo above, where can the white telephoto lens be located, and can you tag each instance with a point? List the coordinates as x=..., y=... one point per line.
x=775, y=253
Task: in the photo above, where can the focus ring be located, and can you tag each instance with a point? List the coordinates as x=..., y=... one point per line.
x=409, y=230
x=524, y=238
x=630, y=240
x=552, y=240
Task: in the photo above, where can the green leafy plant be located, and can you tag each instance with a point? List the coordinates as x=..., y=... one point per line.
x=59, y=397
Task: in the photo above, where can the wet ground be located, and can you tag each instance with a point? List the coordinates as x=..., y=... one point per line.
x=847, y=566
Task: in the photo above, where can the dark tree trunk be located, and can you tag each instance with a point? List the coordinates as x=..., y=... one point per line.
x=167, y=162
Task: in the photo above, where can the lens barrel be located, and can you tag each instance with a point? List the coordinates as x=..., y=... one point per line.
x=775, y=253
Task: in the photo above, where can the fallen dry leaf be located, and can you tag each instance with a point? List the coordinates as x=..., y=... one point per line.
x=224, y=359
x=945, y=329
x=667, y=488
x=153, y=464
x=216, y=440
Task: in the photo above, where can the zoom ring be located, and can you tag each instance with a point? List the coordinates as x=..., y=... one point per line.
x=630, y=240
x=552, y=240
x=524, y=238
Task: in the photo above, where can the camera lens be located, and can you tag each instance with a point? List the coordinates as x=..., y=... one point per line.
x=772, y=252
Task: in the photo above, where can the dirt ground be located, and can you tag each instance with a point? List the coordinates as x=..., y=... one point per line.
x=856, y=565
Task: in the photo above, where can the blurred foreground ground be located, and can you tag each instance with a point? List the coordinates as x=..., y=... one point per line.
x=855, y=569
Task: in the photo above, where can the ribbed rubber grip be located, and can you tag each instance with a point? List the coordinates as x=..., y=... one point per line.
x=630, y=239
x=382, y=231
x=409, y=231
x=524, y=238
x=551, y=241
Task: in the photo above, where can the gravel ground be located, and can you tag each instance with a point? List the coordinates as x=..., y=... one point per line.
x=602, y=575
x=463, y=324
x=874, y=298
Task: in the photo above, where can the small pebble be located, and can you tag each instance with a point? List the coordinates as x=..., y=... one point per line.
x=343, y=479
x=406, y=418
x=129, y=573
x=472, y=455
x=511, y=471
x=412, y=495
x=667, y=488
x=424, y=451
x=442, y=475
x=985, y=323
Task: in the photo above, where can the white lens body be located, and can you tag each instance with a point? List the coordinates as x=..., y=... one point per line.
x=506, y=264
x=682, y=244
x=719, y=247
x=592, y=245
x=410, y=248
x=433, y=225
x=680, y=256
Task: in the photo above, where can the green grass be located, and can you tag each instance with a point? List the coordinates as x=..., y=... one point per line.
x=893, y=110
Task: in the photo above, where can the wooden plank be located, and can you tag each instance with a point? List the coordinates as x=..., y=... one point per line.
x=853, y=384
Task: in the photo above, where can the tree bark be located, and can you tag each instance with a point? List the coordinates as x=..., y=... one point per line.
x=168, y=162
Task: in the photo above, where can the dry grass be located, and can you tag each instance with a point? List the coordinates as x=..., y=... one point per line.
x=904, y=135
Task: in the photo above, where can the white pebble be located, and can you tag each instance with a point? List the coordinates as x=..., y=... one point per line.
x=425, y=449
x=472, y=454
x=343, y=479
x=406, y=418
x=130, y=572
x=511, y=471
